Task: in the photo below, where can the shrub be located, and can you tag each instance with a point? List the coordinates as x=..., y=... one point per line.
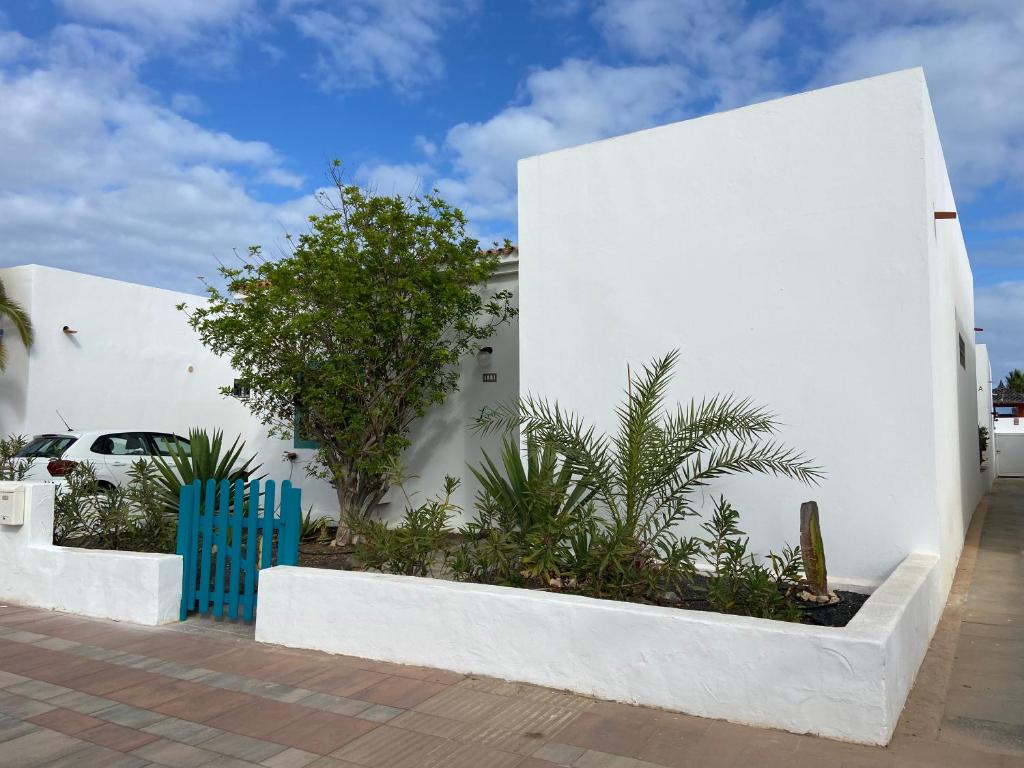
x=12, y=466
x=739, y=584
x=415, y=547
x=132, y=517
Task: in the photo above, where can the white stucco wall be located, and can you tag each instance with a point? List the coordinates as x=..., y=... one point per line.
x=846, y=683
x=140, y=587
x=135, y=363
x=785, y=249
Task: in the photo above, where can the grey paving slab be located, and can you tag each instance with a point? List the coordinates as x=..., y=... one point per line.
x=39, y=748
x=132, y=717
x=174, y=753
x=12, y=728
x=94, y=756
x=243, y=747
x=182, y=730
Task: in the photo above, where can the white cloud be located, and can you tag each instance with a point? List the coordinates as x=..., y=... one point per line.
x=973, y=57
x=178, y=19
x=97, y=175
x=400, y=179
x=576, y=102
x=730, y=49
x=367, y=42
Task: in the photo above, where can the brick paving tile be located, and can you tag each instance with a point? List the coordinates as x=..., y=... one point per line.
x=85, y=703
x=21, y=707
x=604, y=733
x=258, y=718
x=154, y=692
x=343, y=681
x=175, y=754
x=293, y=670
x=291, y=758
x=114, y=736
x=12, y=728
x=559, y=754
x=321, y=732
x=533, y=762
x=379, y=713
x=38, y=748
x=204, y=706
x=243, y=747
x=94, y=756
x=39, y=690
x=126, y=714
x=458, y=703
x=112, y=679
x=66, y=721
x=401, y=692
x=9, y=678
x=337, y=704
x=388, y=747
x=182, y=730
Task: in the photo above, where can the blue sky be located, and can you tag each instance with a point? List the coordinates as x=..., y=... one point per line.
x=143, y=139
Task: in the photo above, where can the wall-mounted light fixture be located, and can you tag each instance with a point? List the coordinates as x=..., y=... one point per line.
x=483, y=356
x=976, y=330
x=68, y=330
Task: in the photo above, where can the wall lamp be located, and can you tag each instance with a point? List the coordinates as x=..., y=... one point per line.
x=68, y=330
x=484, y=355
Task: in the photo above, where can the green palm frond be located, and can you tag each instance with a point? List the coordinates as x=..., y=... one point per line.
x=17, y=315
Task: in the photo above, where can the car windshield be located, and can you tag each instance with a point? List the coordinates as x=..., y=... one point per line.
x=47, y=446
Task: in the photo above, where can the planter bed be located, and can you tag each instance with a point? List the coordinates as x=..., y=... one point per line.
x=839, y=615
x=847, y=683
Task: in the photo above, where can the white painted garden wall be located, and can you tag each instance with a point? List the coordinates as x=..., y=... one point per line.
x=140, y=587
x=135, y=363
x=790, y=251
x=846, y=683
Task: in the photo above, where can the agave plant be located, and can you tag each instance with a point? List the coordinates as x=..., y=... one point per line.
x=205, y=459
x=644, y=476
x=526, y=496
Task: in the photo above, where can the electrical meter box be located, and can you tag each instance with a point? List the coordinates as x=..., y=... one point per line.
x=12, y=505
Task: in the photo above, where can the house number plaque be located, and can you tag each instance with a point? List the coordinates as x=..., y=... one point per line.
x=490, y=377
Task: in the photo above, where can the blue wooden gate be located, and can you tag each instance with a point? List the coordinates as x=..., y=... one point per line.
x=225, y=538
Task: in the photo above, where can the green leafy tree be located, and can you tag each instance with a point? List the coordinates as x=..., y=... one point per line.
x=356, y=332
x=1015, y=380
x=14, y=312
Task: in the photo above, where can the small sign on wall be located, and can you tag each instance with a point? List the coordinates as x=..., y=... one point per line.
x=491, y=377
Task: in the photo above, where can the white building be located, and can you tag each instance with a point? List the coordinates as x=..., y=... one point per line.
x=791, y=250
x=133, y=362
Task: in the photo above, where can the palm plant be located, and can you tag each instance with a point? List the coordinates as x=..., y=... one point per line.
x=17, y=315
x=204, y=459
x=643, y=477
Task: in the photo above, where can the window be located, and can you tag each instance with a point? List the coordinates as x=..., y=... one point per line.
x=47, y=447
x=301, y=437
x=122, y=444
x=963, y=352
x=240, y=389
x=162, y=443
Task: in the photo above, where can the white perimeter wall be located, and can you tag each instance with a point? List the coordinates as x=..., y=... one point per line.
x=135, y=363
x=140, y=587
x=786, y=250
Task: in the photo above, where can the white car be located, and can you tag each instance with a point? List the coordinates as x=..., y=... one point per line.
x=111, y=452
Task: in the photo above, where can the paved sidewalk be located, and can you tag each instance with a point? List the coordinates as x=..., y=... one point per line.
x=81, y=692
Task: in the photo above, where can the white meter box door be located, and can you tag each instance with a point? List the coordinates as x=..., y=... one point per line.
x=12, y=505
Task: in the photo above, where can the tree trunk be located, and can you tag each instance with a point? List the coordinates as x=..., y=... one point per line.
x=358, y=494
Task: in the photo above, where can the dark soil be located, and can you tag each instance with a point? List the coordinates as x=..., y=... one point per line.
x=326, y=556
x=313, y=555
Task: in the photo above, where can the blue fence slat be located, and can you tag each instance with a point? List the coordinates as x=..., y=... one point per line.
x=193, y=543
x=220, y=521
x=209, y=505
x=182, y=548
x=291, y=520
x=269, y=499
x=235, y=548
x=252, y=523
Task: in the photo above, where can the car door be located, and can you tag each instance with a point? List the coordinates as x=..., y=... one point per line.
x=120, y=450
